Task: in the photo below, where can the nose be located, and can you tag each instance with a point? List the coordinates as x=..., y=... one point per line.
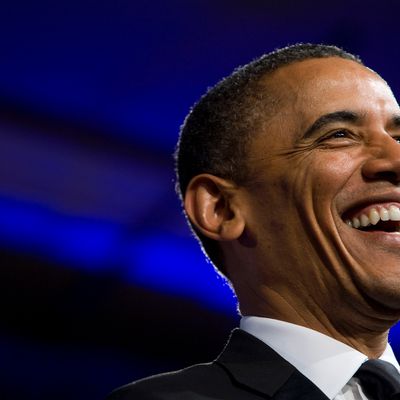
x=385, y=162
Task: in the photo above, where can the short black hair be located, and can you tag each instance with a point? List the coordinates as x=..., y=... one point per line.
x=215, y=134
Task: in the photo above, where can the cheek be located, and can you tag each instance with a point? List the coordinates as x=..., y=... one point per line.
x=312, y=184
x=329, y=179
x=329, y=173
x=300, y=188
x=339, y=168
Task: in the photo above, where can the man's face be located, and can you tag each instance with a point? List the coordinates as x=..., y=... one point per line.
x=330, y=155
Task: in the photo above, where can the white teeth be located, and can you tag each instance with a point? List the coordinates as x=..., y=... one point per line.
x=374, y=216
x=356, y=222
x=364, y=220
x=394, y=213
x=384, y=214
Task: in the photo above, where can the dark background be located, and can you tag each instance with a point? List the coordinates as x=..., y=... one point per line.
x=100, y=280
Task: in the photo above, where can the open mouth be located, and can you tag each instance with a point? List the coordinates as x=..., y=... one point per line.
x=383, y=218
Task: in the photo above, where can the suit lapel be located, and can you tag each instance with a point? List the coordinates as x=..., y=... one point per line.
x=254, y=364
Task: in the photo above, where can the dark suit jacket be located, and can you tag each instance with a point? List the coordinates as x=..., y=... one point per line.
x=247, y=369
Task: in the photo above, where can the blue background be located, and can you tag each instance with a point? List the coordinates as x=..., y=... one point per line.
x=100, y=280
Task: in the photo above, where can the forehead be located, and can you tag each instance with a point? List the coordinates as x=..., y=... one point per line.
x=311, y=88
x=317, y=75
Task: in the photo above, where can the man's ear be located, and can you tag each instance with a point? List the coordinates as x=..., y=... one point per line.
x=212, y=205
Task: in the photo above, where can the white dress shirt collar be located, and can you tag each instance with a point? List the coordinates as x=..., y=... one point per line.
x=326, y=362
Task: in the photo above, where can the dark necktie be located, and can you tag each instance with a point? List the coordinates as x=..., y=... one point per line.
x=379, y=380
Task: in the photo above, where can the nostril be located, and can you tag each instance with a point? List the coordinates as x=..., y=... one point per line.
x=390, y=176
x=384, y=169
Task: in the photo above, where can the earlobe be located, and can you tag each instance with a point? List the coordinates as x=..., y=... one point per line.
x=212, y=206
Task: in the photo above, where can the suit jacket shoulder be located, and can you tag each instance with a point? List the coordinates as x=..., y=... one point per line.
x=198, y=382
x=246, y=369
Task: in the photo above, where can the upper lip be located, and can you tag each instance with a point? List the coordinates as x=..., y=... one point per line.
x=368, y=200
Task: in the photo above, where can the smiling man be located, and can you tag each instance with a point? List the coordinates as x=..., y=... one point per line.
x=289, y=172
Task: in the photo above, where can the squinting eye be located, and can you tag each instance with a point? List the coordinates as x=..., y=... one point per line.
x=397, y=139
x=339, y=134
x=339, y=137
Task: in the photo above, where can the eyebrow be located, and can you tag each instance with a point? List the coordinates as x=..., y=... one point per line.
x=337, y=116
x=342, y=116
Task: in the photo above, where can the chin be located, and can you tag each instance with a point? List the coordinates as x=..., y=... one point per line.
x=383, y=295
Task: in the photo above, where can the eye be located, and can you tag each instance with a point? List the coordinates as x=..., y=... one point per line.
x=338, y=137
x=339, y=134
x=397, y=139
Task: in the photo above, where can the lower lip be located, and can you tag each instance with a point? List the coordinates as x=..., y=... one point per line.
x=387, y=238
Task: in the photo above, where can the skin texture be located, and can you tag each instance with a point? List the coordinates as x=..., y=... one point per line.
x=288, y=251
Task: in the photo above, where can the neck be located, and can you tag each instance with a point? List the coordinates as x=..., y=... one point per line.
x=365, y=332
